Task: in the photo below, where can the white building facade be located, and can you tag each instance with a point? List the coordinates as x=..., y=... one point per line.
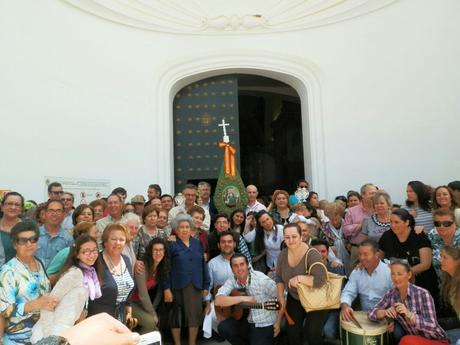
x=87, y=86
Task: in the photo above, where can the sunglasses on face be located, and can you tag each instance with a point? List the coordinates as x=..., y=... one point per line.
x=57, y=193
x=444, y=224
x=24, y=240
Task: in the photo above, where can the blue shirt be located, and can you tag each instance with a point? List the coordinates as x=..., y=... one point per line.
x=49, y=246
x=370, y=288
x=187, y=266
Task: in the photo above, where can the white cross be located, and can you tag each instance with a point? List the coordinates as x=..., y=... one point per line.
x=224, y=125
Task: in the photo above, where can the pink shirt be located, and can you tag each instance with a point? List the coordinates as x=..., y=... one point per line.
x=353, y=218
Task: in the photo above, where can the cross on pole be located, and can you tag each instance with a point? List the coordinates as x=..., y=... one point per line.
x=224, y=125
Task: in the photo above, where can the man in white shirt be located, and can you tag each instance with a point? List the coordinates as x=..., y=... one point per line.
x=189, y=193
x=370, y=282
x=253, y=204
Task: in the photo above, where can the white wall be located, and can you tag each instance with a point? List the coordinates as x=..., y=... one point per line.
x=76, y=95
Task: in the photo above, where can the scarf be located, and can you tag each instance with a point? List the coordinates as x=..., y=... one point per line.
x=90, y=281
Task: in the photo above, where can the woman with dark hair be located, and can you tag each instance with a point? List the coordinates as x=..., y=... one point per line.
x=279, y=207
x=237, y=220
x=148, y=294
x=77, y=281
x=98, y=206
x=404, y=243
x=353, y=198
x=11, y=206
x=267, y=241
x=411, y=307
x=443, y=198
x=59, y=260
x=24, y=286
x=83, y=213
x=450, y=286
x=290, y=272
x=419, y=205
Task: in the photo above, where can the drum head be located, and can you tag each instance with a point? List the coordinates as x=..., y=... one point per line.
x=369, y=327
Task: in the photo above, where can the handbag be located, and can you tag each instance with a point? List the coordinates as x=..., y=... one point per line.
x=324, y=298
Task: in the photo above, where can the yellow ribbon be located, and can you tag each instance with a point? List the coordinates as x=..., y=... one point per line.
x=229, y=159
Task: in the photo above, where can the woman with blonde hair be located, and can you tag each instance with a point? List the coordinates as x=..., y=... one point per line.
x=279, y=208
x=115, y=275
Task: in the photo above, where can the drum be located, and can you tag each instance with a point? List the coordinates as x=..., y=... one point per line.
x=371, y=333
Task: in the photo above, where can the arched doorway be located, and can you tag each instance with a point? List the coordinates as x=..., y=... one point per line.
x=265, y=125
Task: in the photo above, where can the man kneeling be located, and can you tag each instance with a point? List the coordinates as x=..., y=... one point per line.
x=257, y=328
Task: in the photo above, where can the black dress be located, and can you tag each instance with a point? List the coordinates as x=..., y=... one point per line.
x=393, y=248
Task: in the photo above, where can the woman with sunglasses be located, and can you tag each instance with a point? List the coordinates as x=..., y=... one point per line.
x=450, y=286
x=401, y=241
x=11, y=209
x=24, y=286
x=411, y=306
x=445, y=233
x=77, y=281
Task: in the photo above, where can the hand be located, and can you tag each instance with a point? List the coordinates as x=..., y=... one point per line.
x=346, y=312
x=139, y=267
x=335, y=264
x=207, y=308
x=401, y=309
x=390, y=327
x=168, y=296
x=46, y=302
x=391, y=313
x=276, y=329
x=292, y=284
x=104, y=328
x=172, y=238
x=205, y=293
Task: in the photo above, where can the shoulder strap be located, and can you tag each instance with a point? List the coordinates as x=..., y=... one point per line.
x=306, y=259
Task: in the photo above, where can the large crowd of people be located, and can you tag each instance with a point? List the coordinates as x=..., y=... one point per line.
x=188, y=269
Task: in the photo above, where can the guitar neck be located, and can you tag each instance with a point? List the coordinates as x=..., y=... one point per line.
x=247, y=305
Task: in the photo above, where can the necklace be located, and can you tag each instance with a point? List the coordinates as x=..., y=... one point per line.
x=27, y=267
x=379, y=223
x=114, y=269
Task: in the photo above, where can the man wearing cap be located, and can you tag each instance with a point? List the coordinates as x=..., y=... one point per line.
x=138, y=202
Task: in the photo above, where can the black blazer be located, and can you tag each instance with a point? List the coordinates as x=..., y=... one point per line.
x=107, y=303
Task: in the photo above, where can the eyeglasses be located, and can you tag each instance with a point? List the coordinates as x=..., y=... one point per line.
x=66, y=199
x=158, y=250
x=13, y=204
x=444, y=224
x=57, y=192
x=403, y=262
x=51, y=211
x=23, y=240
x=90, y=251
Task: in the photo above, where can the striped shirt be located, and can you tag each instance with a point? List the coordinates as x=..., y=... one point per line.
x=422, y=217
x=418, y=301
x=125, y=284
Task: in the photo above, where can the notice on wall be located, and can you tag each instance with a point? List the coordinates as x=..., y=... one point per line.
x=84, y=190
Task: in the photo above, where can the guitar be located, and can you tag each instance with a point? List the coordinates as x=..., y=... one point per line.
x=240, y=310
